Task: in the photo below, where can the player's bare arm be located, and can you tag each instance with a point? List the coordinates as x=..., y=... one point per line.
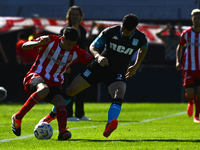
x=32, y=44
x=179, y=52
x=103, y=61
x=132, y=69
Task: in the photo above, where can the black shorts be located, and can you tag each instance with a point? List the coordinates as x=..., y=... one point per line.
x=53, y=91
x=95, y=74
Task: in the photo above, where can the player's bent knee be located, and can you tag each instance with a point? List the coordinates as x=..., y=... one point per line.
x=58, y=100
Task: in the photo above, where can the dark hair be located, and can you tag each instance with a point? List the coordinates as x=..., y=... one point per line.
x=130, y=22
x=21, y=35
x=68, y=19
x=70, y=33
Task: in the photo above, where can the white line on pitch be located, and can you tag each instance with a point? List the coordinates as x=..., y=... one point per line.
x=147, y=120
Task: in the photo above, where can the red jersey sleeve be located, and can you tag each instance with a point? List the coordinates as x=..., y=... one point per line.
x=83, y=56
x=183, y=36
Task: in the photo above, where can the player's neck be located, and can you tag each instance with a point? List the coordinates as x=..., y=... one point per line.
x=196, y=29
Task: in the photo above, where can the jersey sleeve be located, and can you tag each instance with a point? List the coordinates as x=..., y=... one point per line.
x=145, y=46
x=101, y=39
x=182, y=40
x=84, y=57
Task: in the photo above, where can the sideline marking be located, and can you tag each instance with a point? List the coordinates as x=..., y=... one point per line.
x=148, y=120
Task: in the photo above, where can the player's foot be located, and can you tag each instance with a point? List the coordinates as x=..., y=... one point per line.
x=47, y=119
x=196, y=119
x=64, y=135
x=72, y=119
x=190, y=109
x=110, y=127
x=85, y=118
x=16, y=126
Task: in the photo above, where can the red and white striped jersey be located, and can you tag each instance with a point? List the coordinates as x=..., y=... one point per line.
x=191, y=59
x=53, y=61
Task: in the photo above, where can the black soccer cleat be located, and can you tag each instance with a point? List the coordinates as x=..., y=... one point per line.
x=64, y=135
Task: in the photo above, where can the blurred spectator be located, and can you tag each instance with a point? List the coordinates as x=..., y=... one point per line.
x=73, y=18
x=3, y=54
x=170, y=41
x=91, y=36
x=37, y=32
x=24, y=57
x=95, y=89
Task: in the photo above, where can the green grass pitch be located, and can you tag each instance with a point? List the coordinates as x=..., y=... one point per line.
x=142, y=126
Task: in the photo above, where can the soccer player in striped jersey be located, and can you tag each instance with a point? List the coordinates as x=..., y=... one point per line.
x=44, y=79
x=191, y=64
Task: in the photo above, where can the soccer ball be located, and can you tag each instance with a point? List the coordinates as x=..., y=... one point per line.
x=43, y=130
x=3, y=93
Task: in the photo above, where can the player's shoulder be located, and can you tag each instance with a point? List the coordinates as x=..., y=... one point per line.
x=140, y=34
x=113, y=28
x=187, y=30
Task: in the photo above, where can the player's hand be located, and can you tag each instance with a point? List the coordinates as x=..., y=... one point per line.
x=178, y=66
x=131, y=71
x=44, y=40
x=103, y=61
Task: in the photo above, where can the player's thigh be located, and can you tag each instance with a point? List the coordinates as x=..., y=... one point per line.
x=117, y=89
x=77, y=85
x=52, y=95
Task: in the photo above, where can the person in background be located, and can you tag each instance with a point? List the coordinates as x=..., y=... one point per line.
x=74, y=17
x=170, y=42
x=25, y=57
x=191, y=64
x=3, y=54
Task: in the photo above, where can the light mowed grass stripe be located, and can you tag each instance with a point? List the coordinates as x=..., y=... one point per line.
x=147, y=120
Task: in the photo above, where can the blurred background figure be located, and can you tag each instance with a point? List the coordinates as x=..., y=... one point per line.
x=25, y=57
x=37, y=32
x=5, y=59
x=95, y=89
x=171, y=41
x=74, y=17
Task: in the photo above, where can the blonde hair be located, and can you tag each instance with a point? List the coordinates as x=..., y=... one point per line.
x=195, y=11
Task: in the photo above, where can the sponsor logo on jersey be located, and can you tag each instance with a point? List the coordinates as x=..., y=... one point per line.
x=135, y=42
x=121, y=49
x=115, y=37
x=58, y=62
x=60, y=55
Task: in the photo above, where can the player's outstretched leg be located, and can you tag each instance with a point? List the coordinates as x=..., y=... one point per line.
x=50, y=117
x=110, y=127
x=53, y=115
x=16, y=126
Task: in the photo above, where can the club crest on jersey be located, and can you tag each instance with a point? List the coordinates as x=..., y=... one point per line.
x=69, y=58
x=135, y=42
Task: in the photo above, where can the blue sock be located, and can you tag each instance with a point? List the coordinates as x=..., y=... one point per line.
x=114, y=112
x=66, y=102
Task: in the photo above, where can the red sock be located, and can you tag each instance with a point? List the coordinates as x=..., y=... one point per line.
x=61, y=117
x=190, y=100
x=197, y=106
x=31, y=101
